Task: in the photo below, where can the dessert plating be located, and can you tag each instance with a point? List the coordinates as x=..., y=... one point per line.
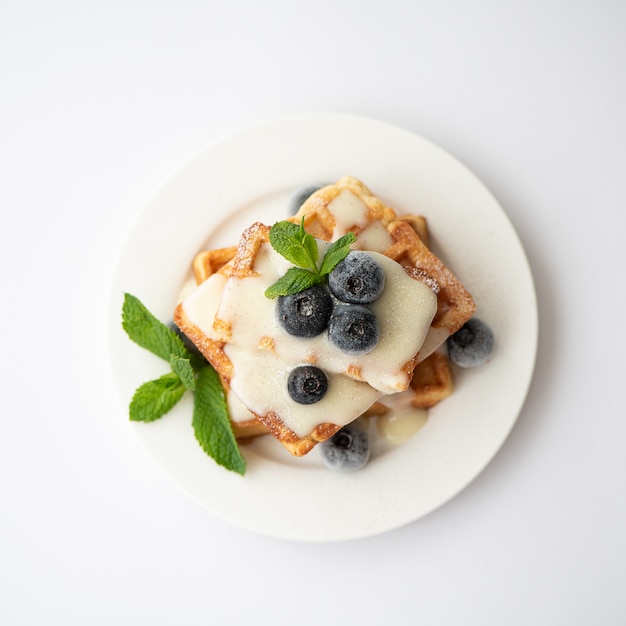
x=237, y=329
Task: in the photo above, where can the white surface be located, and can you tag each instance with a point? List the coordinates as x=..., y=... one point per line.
x=101, y=101
x=411, y=174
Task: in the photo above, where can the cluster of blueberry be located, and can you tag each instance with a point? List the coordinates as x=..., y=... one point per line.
x=340, y=309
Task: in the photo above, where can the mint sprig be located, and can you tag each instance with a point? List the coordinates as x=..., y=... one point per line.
x=300, y=248
x=157, y=397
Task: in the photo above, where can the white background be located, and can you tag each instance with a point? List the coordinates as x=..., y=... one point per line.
x=101, y=101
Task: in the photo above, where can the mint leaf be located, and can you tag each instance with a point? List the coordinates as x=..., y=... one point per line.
x=184, y=370
x=312, y=251
x=281, y=231
x=310, y=247
x=300, y=248
x=286, y=241
x=211, y=424
x=337, y=252
x=147, y=331
x=155, y=398
x=294, y=244
x=294, y=280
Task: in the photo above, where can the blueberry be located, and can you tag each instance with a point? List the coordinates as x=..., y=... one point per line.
x=305, y=314
x=472, y=344
x=307, y=384
x=300, y=197
x=357, y=279
x=353, y=329
x=347, y=450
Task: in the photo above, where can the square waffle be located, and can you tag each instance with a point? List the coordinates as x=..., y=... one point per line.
x=347, y=206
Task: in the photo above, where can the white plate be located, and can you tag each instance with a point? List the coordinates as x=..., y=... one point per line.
x=250, y=176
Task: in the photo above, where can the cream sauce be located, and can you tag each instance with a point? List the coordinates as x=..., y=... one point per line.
x=349, y=211
x=398, y=426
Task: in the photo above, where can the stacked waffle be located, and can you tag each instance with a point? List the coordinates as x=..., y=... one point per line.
x=235, y=326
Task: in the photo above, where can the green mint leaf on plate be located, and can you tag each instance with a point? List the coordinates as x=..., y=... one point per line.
x=211, y=424
x=300, y=248
x=337, y=252
x=295, y=280
x=184, y=370
x=191, y=372
x=147, y=331
x=155, y=398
